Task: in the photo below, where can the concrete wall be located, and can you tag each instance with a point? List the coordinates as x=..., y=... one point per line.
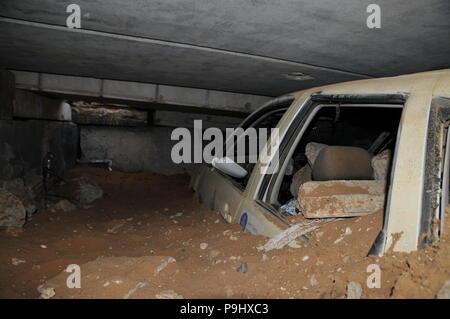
x=131, y=149
x=24, y=143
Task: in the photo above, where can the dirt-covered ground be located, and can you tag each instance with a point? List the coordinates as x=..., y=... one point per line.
x=149, y=238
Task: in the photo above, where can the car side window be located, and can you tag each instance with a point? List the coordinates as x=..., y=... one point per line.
x=264, y=118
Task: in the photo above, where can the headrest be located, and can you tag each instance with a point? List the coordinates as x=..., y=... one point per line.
x=342, y=163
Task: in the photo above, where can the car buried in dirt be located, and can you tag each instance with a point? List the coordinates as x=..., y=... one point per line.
x=344, y=150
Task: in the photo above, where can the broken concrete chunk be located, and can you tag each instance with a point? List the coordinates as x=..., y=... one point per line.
x=341, y=198
x=381, y=165
x=12, y=211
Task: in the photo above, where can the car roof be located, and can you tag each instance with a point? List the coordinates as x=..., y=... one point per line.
x=436, y=83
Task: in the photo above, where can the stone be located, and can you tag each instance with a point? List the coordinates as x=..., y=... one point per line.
x=12, y=211
x=46, y=291
x=381, y=165
x=203, y=246
x=168, y=294
x=354, y=290
x=444, y=292
x=17, y=261
x=18, y=188
x=326, y=199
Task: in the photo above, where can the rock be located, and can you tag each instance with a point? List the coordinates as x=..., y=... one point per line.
x=381, y=165
x=46, y=291
x=313, y=281
x=80, y=189
x=12, y=211
x=243, y=268
x=348, y=231
x=168, y=294
x=18, y=189
x=444, y=292
x=302, y=176
x=354, y=290
x=203, y=246
x=63, y=205
x=17, y=261
x=325, y=199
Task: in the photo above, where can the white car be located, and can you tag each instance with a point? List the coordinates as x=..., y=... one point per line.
x=408, y=115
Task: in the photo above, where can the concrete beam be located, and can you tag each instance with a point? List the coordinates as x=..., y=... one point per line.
x=173, y=97
x=180, y=119
x=98, y=114
x=33, y=106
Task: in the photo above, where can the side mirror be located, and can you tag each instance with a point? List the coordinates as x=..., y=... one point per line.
x=229, y=167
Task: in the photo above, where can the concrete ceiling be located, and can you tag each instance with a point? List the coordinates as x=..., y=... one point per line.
x=240, y=46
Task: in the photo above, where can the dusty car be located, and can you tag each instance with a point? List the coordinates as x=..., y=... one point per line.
x=348, y=126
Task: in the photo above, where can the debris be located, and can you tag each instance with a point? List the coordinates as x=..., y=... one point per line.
x=233, y=238
x=348, y=231
x=243, y=268
x=444, y=292
x=115, y=225
x=289, y=209
x=17, y=188
x=164, y=265
x=203, y=246
x=305, y=258
x=285, y=237
x=17, y=261
x=354, y=290
x=341, y=198
x=63, y=205
x=313, y=281
x=12, y=211
x=46, y=291
x=43, y=246
x=168, y=294
x=132, y=291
